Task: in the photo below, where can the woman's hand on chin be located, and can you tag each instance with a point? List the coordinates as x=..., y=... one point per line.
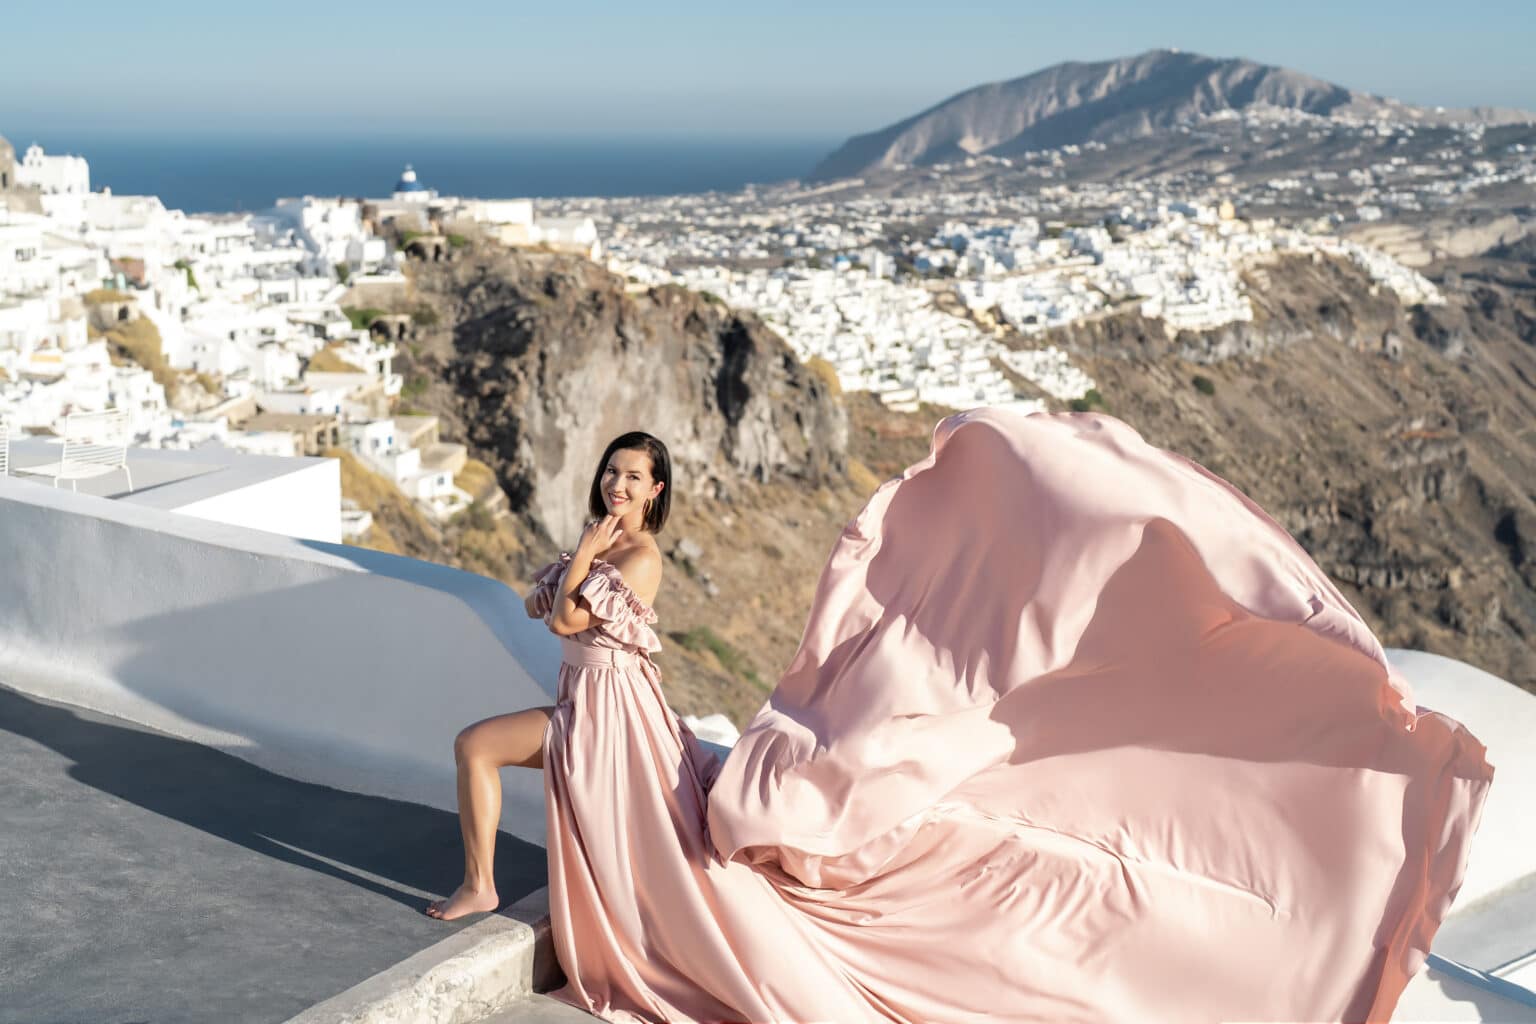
x=599, y=536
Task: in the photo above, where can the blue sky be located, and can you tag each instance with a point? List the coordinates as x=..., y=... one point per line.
x=786, y=70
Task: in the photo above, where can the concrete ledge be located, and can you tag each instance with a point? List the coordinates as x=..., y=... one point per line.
x=483, y=970
x=541, y=1010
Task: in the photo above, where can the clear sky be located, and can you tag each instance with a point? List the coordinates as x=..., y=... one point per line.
x=722, y=69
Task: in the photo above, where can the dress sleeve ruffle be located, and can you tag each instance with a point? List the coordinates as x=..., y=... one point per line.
x=547, y=580
x=550, y=574
x=624, y=617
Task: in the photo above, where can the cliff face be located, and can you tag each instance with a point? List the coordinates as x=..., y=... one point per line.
x=1395, y=444
x=1294, y=299
x=542, y=359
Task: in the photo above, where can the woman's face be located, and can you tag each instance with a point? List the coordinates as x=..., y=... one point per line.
x=627, y=483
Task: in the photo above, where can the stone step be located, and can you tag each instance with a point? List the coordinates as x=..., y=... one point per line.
x=492, y=966
x=539, y=1010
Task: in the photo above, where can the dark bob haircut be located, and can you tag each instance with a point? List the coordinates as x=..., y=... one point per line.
x=661, y=472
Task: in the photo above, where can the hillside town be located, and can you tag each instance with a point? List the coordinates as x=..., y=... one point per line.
x=253, y=330
x=233, y=330
x=1178, y=263
x=862, y=274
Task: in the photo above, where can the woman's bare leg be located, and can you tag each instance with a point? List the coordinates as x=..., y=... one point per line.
x=480, y=752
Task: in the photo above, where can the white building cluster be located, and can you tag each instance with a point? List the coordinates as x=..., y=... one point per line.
x=49, y=363
x=825, y=274
x=1180, y=264
x=242, y=303
x=53, y=175
x=879, y=336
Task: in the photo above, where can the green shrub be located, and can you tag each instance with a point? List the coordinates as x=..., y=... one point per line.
x=424, y=316
x=1090, y=400
x=361, y=318
x=1204, y=384
x=702, y=638
x=186, y=268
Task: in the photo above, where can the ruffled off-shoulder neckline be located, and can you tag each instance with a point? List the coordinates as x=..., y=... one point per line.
x=646, y=613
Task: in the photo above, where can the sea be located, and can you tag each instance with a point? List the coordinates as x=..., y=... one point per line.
x=249, y=174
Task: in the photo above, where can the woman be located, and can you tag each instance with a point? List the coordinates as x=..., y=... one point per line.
x=1075, y=732
x=629, y=499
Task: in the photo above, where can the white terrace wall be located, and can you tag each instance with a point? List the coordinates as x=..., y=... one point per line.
x=326, y=663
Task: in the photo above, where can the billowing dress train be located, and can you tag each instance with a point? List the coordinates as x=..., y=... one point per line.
x=1075, y=732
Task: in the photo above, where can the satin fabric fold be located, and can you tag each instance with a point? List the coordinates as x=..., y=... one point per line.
x=1075, y=732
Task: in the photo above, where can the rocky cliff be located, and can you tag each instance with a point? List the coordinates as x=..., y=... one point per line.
x=543, y=359
x=1398, y=445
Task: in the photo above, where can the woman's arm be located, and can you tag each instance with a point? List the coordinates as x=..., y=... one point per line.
x=570, y=617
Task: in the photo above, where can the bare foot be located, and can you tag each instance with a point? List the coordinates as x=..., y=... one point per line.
x=464, y=900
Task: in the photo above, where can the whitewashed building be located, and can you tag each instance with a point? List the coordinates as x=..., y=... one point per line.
x=54, y=175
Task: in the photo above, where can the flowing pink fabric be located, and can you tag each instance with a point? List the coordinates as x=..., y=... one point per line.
x=1075, y=732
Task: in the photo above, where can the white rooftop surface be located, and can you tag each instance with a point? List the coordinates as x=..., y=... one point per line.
x=1492, y=925
x=161, y=477
x=298, y=497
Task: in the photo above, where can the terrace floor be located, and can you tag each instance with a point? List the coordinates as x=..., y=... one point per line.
x=144, y=877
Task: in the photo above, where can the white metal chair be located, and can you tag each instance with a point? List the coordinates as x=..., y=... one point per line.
x=95, y=444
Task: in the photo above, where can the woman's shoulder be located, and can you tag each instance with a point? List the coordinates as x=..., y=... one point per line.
x=638, y=553
x=640, y=569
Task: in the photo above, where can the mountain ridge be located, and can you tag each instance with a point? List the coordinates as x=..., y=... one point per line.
x=1105, y=101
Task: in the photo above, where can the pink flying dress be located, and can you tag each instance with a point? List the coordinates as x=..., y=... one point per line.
x=1075, y=732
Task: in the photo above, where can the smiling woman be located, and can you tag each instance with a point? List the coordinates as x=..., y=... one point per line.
x=597, y=599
